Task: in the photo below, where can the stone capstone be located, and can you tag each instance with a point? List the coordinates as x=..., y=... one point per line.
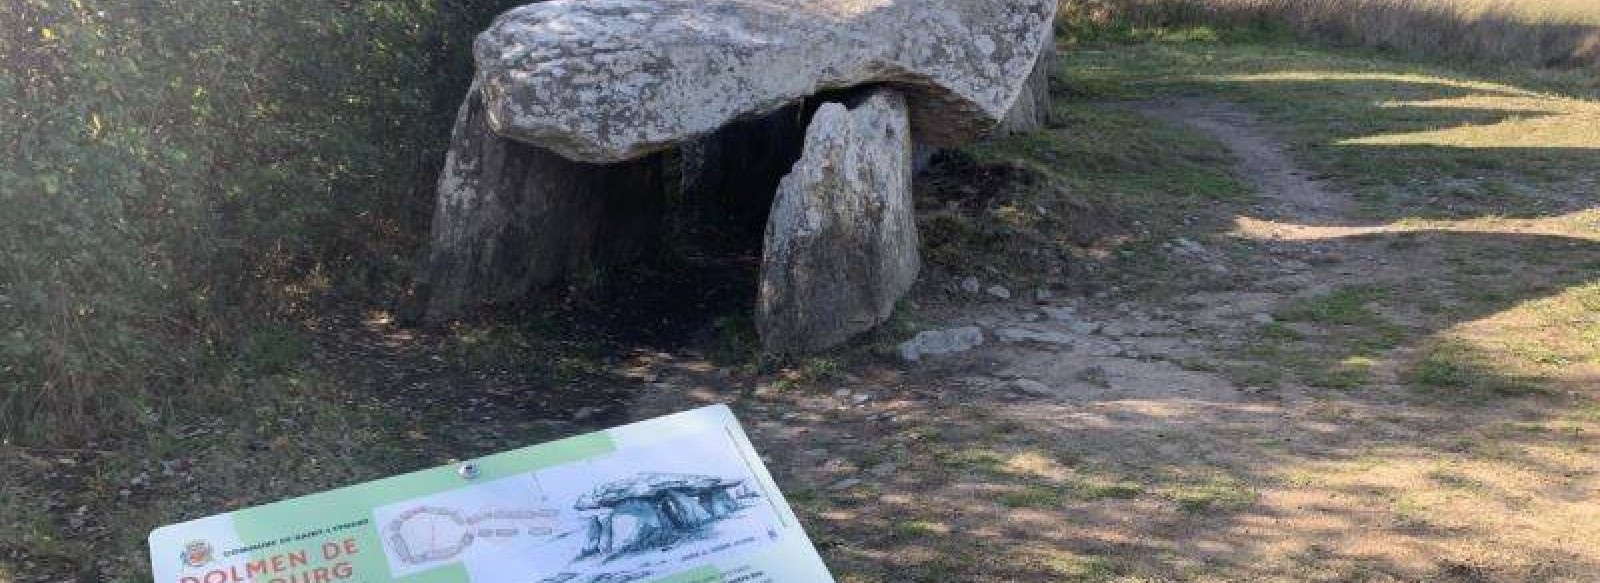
x=612, y=80
x=841, y=241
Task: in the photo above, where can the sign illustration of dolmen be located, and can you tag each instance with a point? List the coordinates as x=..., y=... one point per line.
x=654, y=510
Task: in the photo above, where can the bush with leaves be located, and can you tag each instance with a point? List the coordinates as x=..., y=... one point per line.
x=175, y=174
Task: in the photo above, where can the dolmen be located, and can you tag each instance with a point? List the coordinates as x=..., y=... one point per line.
x=653, y=509
x=584, y=114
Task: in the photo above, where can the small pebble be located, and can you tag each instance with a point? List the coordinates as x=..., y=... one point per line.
x=845, y=484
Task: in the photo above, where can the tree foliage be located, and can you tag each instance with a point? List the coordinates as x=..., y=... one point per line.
x=176, y=172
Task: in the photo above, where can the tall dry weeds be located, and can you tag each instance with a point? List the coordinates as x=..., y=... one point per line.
x=1486, y=32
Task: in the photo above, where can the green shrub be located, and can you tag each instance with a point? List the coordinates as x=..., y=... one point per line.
x=175, y=172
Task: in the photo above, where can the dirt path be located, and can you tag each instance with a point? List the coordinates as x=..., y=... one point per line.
x=1098, y=438
x=1290, y=192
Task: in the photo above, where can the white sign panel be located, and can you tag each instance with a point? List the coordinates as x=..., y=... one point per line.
x=678, y=499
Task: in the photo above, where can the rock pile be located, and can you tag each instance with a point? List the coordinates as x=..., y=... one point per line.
x=557, y=164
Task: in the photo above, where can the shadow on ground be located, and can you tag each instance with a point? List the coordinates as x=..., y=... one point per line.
x=1426, y=410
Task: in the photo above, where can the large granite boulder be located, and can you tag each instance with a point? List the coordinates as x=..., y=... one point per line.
x=841, y=242
x=612, y=80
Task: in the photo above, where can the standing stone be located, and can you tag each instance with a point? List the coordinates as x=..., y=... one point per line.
x=841, y=242
x=513, y=219
x=1031, y=112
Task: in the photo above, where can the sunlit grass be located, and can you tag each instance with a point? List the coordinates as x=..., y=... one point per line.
x=1335, y=73
x=1413, y=142
x=1528, y=119
x=1532, y=346
x=1532, y=10
x=1528, y=123
x=1552, y=341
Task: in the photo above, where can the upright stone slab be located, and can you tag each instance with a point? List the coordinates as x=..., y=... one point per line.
x=513, y=219
x=1031, y=111
x=841, y=241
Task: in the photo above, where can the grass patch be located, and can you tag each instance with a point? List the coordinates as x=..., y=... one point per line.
x=1211, y=494
x=1251, y=375
x=1346, y=306
x=1456, y=480
x=1075, y=567
x=972, y=459
x=920, y=529
x=1351, y=373
x=1457, y=370
x=1076, y=489
x=1527, y=33
x=807, y=373
x=1034, y=497
x=1093, y=489
x=1340, y=352
x=1411, y=140
x=1101, y=189
x=1279, y=331
x=292, y=424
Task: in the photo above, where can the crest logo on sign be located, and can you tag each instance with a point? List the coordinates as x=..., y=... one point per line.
x=196, y=553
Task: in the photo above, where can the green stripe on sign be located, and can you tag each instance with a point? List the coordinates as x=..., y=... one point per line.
x=355, y=503
x=705, y=574
x=454, y=573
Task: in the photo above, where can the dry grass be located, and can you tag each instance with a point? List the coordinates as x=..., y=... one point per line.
x=1562, y=11
x=1557, y=33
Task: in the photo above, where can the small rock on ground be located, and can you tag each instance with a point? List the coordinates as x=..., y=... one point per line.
x=1031, y=387
x=1025, y=335
x=937, y=342
x=845, y=484
x=1059, y=312
x=971, y=285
